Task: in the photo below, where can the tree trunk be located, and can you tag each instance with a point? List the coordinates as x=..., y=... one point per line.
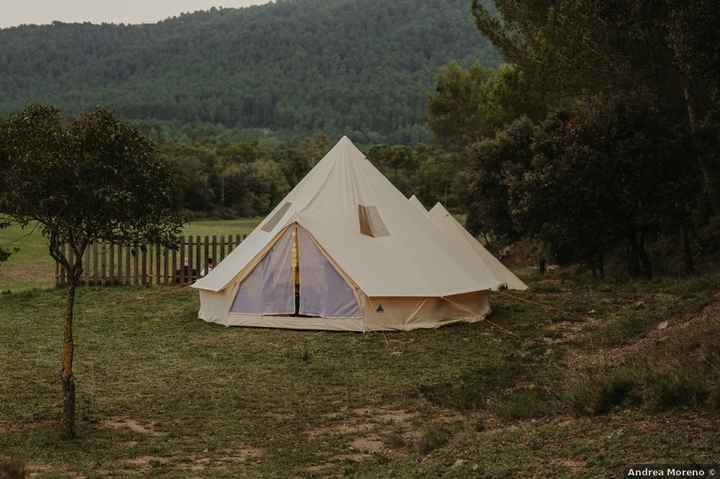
x=710, y=174
x=68, y=380
x=644, y=257
x=633, y=255
x=687, y=250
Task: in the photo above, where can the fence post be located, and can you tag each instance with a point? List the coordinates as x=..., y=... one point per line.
x=166, y=276
x=157, y=263
x=198, y=258
x=136, y=265
x=87, y=267
x=144, y=250
x=207, y=254
x=112, y=263
x=103, y=263
x=182, y=260
x=214, y=249
x=190, y=260
x=128, y=267
x=118, y=266
x=95, y=262
x=222, y=247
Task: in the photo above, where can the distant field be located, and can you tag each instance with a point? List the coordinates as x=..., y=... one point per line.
x=32, y=267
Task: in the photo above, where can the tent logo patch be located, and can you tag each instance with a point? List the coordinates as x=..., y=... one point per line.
x=380, y=308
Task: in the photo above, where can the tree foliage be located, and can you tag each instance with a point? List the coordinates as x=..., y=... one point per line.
x=93, y=178
x=604, y=134
x=612, y=173
x=293, y=67
x=664, y=49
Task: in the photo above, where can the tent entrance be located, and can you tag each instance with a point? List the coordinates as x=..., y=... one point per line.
x=295, y=278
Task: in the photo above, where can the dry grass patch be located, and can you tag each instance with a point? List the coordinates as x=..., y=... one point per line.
x=129, y=425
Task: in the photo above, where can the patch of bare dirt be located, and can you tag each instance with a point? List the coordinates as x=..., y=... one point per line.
x=144, y=461
x=352, y=457
x=224, y=458
x=385, y=430
x=241, y=454
x=320, y=468
x=344, y=428
x=447, y=417
x=385, y=415
x=368, y=444
x=35, y=470
x=575, y=465
x=129, y=424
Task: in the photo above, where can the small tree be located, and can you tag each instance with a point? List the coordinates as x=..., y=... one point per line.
x=91, y=179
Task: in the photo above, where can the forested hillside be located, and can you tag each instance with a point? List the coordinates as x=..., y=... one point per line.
x=357, y=67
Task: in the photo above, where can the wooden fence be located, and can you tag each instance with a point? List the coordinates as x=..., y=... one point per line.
x=109, y=264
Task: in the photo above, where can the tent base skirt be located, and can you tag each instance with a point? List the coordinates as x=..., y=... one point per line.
x=322, y=324
x=378, y=314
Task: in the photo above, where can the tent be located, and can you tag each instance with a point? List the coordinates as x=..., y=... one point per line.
x=345, y=250
x=477, y=259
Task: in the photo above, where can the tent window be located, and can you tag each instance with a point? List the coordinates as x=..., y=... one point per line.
x=371, y=224
x=275, y=219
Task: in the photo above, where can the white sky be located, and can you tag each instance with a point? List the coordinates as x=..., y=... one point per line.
x=17, y=12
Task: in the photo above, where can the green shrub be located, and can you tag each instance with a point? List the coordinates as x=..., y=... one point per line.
x=527, y=404
x=676, y=391
x=594, y=396
x=432, y=438
x=394, y=440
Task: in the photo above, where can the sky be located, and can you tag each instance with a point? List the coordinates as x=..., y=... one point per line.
x=17, y=12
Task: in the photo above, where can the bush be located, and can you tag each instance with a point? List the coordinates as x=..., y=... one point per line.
x=592, y=396
x=432, y=438
x=527, y=404
x=667, y=392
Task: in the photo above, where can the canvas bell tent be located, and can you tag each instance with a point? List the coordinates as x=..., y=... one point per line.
x=476, y=258
x=345, y=250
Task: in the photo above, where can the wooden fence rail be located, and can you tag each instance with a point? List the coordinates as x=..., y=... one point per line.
x=110, y=264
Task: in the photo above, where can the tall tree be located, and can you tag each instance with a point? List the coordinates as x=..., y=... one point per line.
x=667, y=49
x=91, y=179
x=471, y=104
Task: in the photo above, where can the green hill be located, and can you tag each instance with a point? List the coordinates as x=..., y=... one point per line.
x=293, y=67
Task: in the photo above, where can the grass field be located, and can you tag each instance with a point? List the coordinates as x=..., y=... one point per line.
x=540, y=390
x=32, y=267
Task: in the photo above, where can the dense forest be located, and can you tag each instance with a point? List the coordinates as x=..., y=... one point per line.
x=286, y=69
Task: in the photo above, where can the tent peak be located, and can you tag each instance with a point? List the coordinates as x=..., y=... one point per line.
x=345, y=150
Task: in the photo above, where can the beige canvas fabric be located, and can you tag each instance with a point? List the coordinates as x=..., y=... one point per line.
x=416, y=202
x=401, y=259
x=476, y=257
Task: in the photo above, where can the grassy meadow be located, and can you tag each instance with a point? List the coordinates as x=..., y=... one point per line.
x=574, y=378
